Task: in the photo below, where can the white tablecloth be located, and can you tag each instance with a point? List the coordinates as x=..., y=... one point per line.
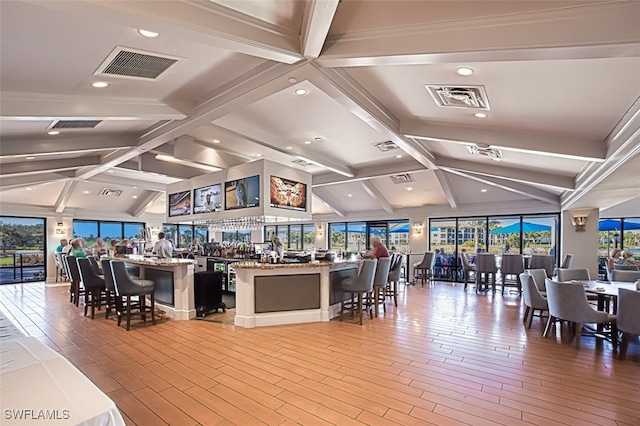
x=40, y=387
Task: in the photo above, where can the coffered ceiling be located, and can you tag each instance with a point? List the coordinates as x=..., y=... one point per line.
x=319, y=85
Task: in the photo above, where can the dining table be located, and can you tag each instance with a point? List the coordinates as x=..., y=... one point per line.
x=606, y=290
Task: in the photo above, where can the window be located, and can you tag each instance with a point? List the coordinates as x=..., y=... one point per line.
x=23, y=247
x=182, y=235
x=185, y=236
x=354, y=237
x=90, y=230
x=308, y=237
x=291, y=236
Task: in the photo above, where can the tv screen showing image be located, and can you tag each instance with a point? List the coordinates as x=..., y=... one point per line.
x=207, y=199
x=242, y=193
x=180, y=203
x=288, y=194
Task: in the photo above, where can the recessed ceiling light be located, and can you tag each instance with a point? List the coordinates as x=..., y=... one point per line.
x=292, y=80
x=28, y=188
x=109, y=171
x=86, y=192
x=53, y=132
x=464, y=71
x=257, y=155
x=480, y=115
x=399, y=156
x=149, y=34
x=349, y=195
x=134, y=187
x=216, y=141
x=289, y=147
x=483, y=190
x=301, y=92
x=135, y=196
x=30, y=158
x=318, y=139
x=409, y=188
x=100, y=84
x=307, y=142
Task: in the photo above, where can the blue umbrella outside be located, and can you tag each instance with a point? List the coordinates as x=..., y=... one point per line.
x=615, y=225
x=526, y=227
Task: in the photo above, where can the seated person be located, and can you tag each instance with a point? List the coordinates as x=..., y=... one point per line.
x=195, y=245
x=377, y=251
x=76, y=248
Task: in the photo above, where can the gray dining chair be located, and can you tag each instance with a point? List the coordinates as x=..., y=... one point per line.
x=512, y=266
x=573, y=274
x=617, y=267
x=424, y=269
x=539, y=276
x=533, y=300
x=486, y=270
x=393, y=281
x=628, y=319
x=568, y=302
x=625, y=276
x=539, y=261
x=360, y=288
x=380, y=282
x=567, y=261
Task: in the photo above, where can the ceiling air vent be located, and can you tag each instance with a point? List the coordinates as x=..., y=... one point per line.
x=138, y=64
x=110, y=193
x=485, y=151
x=473, y=97
x=74, y=124
x=302, y=163
x=402, y=178
x=386, y=146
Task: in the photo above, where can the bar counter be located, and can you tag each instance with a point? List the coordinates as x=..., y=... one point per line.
x=274, y=294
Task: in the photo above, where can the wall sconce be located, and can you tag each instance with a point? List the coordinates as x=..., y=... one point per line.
x=60, y=230
x=320, y=231
x=579, y=222
x=417, y=228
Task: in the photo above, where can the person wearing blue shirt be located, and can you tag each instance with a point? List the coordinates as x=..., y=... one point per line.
x=63, y=243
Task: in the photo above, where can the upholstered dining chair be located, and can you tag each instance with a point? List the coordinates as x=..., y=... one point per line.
x=512, y=265
x=424, y=269
x=380, y=282
x=94, y=286
x=360, y=288
x=573, y=274
x=467, y=269
x=628, y=319
x=486, y=270
x=539, y=261
x=61, y=273
x=94, y=264
x=126, y=288
x=113, y=301
x=539, y=276
x=77, y=288
x=533, y=300
x=568, y=302
x=617, y=267
x=625, y=276
x=393, y=281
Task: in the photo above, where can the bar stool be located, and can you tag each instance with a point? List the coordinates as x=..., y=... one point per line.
x=110, y=289
x=512, y=264
x=77, y=288
x=425, y=267
x=94, y=286
x=126, y=287
x=467, y=268
x=391, y=290
x=539, y=261
x=361, y=285
x=380, y=282
x=485, y=271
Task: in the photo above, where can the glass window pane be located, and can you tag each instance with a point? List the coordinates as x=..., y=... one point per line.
x=229, y=237
x=504, y=235
x=244, y=235
x=540, y=235
x=22, y=256
x=269, y=233
x=377, y=229
x=202, y=233
x=87, y=229
x=132, y=229
x=631, y=239
x=283, y=232
x=356, y=236
x=472, y=235
x=110, y=231
x=309, y=237
x=170, y=233
x=337, y=236
x=399, y=235
x=185, y=235
x=295, y=231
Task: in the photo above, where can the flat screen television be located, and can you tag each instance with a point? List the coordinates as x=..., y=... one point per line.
x=288, y=194
x=242, y=193
x=207, y=199
x=180, y=203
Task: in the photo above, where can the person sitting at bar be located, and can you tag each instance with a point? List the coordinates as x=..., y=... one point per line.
x=63, y=243
x=378, y=249
x=195, y=246
x=99, y=248
x=76, y=248
x=163, y=248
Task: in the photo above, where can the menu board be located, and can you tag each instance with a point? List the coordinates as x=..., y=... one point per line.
x=288, y=194
x=207, y=199
x=242, y=193
x=180, y=203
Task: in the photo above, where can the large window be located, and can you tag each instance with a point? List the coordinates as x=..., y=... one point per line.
x=90, y=230
x=623, y=233
x=241, y=236
x=182, y=235
x=354, y=237
x=23, y=249
x=293, y=237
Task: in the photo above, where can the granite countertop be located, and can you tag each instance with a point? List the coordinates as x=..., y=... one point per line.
x=153, y=261
x=316, y=264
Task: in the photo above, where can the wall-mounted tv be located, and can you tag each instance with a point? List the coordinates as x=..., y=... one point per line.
x=180, y=203
x=207, y=199
x=242, y=193
x=288, y=194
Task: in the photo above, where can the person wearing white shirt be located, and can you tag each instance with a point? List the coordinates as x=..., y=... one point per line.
x=163, y=248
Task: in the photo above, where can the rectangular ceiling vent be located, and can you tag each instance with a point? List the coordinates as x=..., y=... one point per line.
x=485, y=151
x=386, y=146
x=472, y=97
x=302, y=163
x=401, y=178
x=137, y=64
x=110, y=192
x=74, y=124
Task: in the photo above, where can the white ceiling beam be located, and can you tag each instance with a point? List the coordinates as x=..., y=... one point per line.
x=368, y=173
x=203, y=22
x=377, y=195
x=66, y=193
x=143, y=204
x=45, y=166
x=508, y=173
x=514, y=187
x=48, y=107
x=605, y=30
x=108, y=179
x=22, y=181
x=443, y=179
x=316, y=21
x=246, y=89
x=187, y=148
x=18, y=147
x=148, y=163
x=335, y=209
x=534, y=143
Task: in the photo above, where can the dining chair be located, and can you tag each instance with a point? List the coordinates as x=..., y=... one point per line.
x=628, y=319
x=617, y=267
x=546, y=262
x=393, y=281
x=360, y=288
x=77, y=288
x=567, y=261
x=380, y=282
x=568, y=302
x=626, y=276
x=573, y=274
x=467, y=269
x=512, y=265
x=539, y=276
x=533, y=300
x=425, y=268
x=486, y=271
x=61, y=274
x=94, y=264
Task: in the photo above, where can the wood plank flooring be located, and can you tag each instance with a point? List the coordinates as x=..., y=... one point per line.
x=443, y=357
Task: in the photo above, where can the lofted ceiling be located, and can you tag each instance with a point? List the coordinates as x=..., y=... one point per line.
x=318, y=85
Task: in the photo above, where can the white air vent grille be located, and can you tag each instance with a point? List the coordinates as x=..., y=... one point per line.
x=401, y=178
x=110, y=192
x=473, y=97
x=485, y=151
x=138, y=64
x=386, y=146
x=75, y=124
x=302, y=163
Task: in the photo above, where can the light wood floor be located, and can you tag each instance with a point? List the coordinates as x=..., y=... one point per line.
x=443, y=357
